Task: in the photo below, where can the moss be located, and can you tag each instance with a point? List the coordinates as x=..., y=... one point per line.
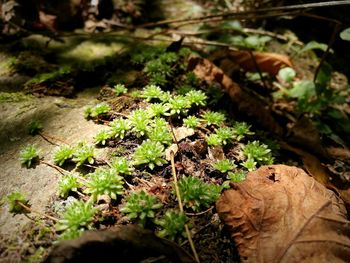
x=14, y=97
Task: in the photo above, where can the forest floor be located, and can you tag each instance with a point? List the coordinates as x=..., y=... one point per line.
x=97, y=65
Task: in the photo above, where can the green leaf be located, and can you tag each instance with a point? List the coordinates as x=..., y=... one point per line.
x=286, y=74
x=303, y=88
x=345, y=34
x=313, y=45
x=323, y=77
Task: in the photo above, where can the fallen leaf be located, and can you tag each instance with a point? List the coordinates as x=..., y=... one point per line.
x=321, y=173
x=245, y=102
x=182, y=132
x=267, y=62
x=123, y=243
x=280, y=214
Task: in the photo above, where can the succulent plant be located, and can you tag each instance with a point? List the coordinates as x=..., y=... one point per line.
x=236, y=177
x=62, y=154
x=102, y=136
x=214, y=118
x=225, y=134
x=140, y=119
x=122, y=166
x=13, y=200
x=34, y=127
x=197, y=194
x=213, y=140
x=197, y=97
x=120, y=89
x=172, y=224
x=224, y=165
x=241, y=129
x=105, y=182
x=152, y=92
x=79, y=215
x=83, y=154
x=191, y=122
x=97, y=110
x=158, y=109
x=66, y=184
x=151, y=153
x=141, y=206
x=28, y=155
x=179, y=105
x=119, y=128
x=159, y=132
x=258, y=152
x=249, y=164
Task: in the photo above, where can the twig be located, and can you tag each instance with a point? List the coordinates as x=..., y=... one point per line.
x=257, y=69
x=59, y=169
x=275, y=11
x=181, y=206
x=46, y=137
x=200, y=213
x=36, y=212
x=200, y=230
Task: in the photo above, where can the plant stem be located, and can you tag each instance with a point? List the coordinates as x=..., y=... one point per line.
x=36, y=212
x=181, y=207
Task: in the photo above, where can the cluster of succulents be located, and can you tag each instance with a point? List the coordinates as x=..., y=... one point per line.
x=97, y=110
x=78, y=216
x=213, y=118
x=119, y=128
x=83, y=154
x=62, y=154
x=104, y=182
x=141, y=206
x=28, y=155
x=191, y=122
x=151, y=153
x=197, y=194
x=66, y=184
x=258, y=152
x=172, y=224
x=120, y=89
x=224, y=165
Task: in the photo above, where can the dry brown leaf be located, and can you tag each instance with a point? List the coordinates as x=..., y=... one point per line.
x=320, y=172
x=249, y=105
x=280, y=214
x=267, y=62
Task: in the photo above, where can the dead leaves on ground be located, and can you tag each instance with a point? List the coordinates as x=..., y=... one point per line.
x=251, y=106
x=280, y=214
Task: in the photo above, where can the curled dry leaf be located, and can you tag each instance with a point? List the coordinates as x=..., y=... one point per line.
x=249, y=105
x=280, y=214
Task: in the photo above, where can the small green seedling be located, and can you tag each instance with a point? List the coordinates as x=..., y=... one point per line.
x=191, y=122
x=140, y=119
x=96, y=111
x=173, y=225
x=83, y=154
x=237, y=177
x=151, y=153
x=122, y=166
x=34, y=127
x=103, y=136
x=213, y=140
x=159, y=132
x=120, y=89
x=158, y=110
x=179, y=105
x=14, y=200
x=214, y=118
x=258, y=152
x=67, y=184
x=79, y=215
x=197, y=194
x=62, y=154
x=104, y=182
x=224, y=165
x=141, y=206
x=249, y=164
x=197, y=97
x=119, y=128
x=225, y=134
x=241, y=129
x=28, y=155
x=151, y=92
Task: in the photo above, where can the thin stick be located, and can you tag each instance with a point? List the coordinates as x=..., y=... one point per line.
x=36, y=212
x=59, y=169
x=251, y=12
x=181, y=207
